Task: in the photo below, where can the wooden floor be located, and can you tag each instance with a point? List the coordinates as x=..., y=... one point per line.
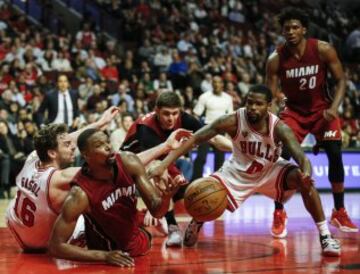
x=237, y=243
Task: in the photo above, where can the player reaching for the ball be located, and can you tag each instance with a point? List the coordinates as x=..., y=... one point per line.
x=255, y=165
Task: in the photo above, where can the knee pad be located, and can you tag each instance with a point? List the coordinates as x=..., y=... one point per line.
x=336, y=167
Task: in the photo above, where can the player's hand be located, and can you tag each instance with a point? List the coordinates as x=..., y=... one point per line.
x=108, y=116
x=330, y=114
x=177, y=137
x=156, y=172
x=149, y=220
x=171, y=185
x=119, y=258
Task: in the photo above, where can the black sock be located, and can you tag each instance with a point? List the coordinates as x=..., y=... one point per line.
x=279, y=205
x=338, y=200
x=170, y=218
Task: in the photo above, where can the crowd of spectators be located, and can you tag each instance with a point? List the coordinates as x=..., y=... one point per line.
x=166, y=46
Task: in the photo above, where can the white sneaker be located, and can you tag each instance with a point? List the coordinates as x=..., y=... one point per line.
x=330, y=246
x=192, y=233
x=174, y=238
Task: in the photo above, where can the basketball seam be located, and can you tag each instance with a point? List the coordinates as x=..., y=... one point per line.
x=214, y=208
x=209, y=195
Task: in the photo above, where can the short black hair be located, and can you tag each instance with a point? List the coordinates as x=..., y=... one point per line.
x=293, y=13
x=168, y=99
x=84, y=137
x=46, y=139
x=263, y=90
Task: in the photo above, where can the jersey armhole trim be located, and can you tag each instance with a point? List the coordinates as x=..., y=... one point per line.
x=238, y=125
x=272, y=135
x=48, y=192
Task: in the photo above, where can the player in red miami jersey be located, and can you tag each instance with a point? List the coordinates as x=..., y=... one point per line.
x=300, y=67
x=44, y=181
x=104, y=192
x=152, y=129
x=255, y=165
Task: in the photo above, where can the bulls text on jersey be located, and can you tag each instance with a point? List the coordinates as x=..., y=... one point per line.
x=258, y=149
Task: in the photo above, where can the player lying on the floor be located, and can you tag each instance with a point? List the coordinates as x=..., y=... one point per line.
x=43, y=183
x=103, y=191
x=256, y=165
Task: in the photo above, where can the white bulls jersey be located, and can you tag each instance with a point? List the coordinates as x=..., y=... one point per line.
x=29, y=215
x=253, y=153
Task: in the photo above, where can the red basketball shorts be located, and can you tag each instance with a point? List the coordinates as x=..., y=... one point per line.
x=314, y=123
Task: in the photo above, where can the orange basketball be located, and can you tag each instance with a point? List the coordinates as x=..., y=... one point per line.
x=205, y=200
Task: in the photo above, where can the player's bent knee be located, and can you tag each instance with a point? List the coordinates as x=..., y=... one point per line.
x=292, y=181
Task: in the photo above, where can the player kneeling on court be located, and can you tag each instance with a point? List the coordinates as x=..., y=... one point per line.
x=256, y=165
x=103, y=192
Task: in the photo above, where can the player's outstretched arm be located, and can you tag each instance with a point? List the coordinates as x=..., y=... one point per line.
x=224, y=124
x=284, y=134
x=104, y=120
x=76, y=204
x=157, y=203
x=221, y=143
x=173, y=141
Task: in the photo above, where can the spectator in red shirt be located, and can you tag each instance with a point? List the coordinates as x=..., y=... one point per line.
x=110, y=71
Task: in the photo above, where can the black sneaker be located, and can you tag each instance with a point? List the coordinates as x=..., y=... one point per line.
x=192, y=233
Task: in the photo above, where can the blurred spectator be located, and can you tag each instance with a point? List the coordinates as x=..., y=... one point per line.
x=206, y=84
x=122, y=95
x=213, y=104
x=11, y=158
x=61, y=63
x=178, y=70
x=117, y=137
x=110, y=71
x=163, y=84
x=96, y=96
x=353, y=45
x=162, y=59
x=86, y=36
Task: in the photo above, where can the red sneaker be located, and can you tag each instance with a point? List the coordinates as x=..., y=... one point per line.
x=278, y=229
x=341, y=220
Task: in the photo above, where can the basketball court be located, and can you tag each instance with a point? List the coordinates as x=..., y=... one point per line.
x=236, y=243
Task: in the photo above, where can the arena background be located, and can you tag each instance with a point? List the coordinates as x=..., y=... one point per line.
x=40, y=39
x=133, y=33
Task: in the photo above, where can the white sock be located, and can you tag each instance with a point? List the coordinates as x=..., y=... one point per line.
x=323, y=228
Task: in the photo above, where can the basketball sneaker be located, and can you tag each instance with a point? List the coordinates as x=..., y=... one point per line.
x=330, y=247
x=278, y=229
x=192, y=233
x=341, y=220
x=174, y=238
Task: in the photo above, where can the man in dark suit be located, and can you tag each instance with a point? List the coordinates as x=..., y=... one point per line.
x=61, y=105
